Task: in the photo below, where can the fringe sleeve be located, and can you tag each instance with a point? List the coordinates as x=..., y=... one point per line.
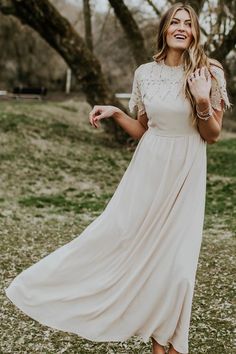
x=218, y=89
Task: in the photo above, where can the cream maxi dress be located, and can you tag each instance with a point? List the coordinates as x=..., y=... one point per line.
x=132, y=270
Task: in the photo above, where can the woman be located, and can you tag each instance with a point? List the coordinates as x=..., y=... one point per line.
x=132, y=270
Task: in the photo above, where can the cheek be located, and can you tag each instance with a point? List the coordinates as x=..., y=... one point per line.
x=169, y=35
x=170, y=30
x=168, y=38
x=190, y=33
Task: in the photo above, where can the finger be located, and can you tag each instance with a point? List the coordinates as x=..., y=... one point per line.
x=192, y=76
x=94, y=124
x=97, y=118
x=208, y=74
x=190, y=80
x=92, y=114
x=95, y=111
x=203, y=72
x=196, y=73
x=91, y=121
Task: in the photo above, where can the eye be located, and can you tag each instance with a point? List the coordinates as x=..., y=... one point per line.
x=189, y=24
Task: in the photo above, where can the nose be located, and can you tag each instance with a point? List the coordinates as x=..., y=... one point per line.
x=181, y=26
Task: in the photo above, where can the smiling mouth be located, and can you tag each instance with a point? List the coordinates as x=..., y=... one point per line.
x=180, y=37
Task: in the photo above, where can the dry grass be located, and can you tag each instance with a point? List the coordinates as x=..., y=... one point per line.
x=57, y=174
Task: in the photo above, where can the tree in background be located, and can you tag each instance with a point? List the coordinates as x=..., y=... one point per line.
x=196, y=4
x=132, y=31
x=88, y=24
x=27, y=59
x=59, y=33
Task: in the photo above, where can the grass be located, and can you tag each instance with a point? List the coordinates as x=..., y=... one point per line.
x=83, y=201
x=57, y=175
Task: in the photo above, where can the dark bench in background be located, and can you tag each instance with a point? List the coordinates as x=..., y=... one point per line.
x=29, y=92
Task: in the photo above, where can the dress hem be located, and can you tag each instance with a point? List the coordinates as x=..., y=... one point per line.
x=144, y=338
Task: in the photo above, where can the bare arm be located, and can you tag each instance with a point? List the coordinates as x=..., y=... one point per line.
x=134, y=127
x=209, y=129
x=200, y=85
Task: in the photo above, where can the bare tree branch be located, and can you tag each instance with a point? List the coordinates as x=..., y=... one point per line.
x=226, y=46
x=150, y=2
x=61, y=36
x=196, y=4
x=131, y=30
x=103, y=26
x=88, y=25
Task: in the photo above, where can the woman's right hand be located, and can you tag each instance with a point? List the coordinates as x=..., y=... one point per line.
x=100, y=112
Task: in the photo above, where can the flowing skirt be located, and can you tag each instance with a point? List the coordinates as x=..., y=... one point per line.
x=132, y=270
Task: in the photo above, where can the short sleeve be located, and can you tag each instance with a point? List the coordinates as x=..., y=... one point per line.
x=218, y=89
x=136, y=96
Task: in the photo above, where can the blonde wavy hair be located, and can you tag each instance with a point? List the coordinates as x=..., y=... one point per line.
x=193, y=57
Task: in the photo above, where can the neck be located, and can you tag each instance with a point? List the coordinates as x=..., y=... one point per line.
x=173, y=58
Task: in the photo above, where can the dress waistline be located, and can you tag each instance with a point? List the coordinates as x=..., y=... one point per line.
x=156, y=131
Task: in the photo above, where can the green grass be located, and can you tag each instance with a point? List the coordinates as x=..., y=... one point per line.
x=57, y=175
x=222, y=157
x=82, y=202
x=13, y=122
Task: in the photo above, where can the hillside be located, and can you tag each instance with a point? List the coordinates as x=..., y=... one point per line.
x=57, y=174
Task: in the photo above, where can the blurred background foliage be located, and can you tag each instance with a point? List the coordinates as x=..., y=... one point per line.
x=28, y=60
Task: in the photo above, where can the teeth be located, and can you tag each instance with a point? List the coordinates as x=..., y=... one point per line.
x=180, y=37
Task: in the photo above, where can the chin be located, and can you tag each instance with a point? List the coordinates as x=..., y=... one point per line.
x=180, y=47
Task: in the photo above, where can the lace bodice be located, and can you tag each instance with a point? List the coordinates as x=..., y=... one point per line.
x=160, y=82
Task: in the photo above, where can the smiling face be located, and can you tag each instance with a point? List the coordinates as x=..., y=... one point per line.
x=179, y=33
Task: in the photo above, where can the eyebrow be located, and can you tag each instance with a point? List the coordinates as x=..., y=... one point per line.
x=174, y=18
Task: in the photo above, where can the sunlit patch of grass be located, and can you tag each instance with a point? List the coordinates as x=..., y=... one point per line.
x=68, y=108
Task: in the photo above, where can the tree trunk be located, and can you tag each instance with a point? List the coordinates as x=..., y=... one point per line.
x=44, y=18
x=131, y=30
x=87, y=24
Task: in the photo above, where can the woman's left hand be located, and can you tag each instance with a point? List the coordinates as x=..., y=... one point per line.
x=200, y=83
